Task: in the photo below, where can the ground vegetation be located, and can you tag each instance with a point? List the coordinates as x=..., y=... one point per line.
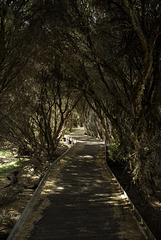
x=89, y=62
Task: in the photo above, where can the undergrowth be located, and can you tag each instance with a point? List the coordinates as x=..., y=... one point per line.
x=114, y=152
x=9, y=163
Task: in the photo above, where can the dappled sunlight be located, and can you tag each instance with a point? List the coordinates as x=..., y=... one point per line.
x=80, y=186
x=116, y=200
x=87, y=157
x=79, y=195
x=10, y=164
x=98, y=181
x=8, y=218
x=82, y=178
x=48, y=187
x=6, y=164
x=59, y=188
x=73, y=166
x=29, y=175
x=63, y=160
x=14, y=212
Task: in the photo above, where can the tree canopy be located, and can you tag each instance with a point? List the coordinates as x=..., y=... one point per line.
x=99, y=58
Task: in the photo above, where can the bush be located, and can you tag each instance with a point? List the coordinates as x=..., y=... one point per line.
x=114, y=152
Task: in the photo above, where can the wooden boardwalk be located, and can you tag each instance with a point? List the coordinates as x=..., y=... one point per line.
x=80, y=199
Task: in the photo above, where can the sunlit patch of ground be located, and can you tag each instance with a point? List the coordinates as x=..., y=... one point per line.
x=14, y=198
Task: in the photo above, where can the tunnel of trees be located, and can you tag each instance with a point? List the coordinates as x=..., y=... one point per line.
x=90, y=62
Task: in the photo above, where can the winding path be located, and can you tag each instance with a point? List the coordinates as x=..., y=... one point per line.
x=79, y=199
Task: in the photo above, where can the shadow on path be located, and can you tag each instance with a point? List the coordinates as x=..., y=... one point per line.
x=79, y=199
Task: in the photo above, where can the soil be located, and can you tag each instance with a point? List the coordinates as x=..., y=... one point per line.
x=14, y=198
x=149, y=210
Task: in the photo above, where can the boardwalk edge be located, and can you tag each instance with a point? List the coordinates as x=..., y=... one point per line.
x=139, y=220
x=17, y=228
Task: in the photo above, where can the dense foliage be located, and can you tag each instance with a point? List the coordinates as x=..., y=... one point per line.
x=101, y=58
